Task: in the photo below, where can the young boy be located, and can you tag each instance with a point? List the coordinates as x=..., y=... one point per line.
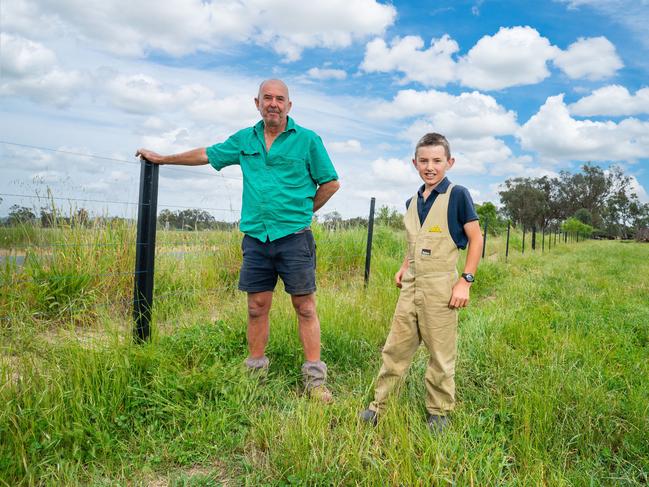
x=440, y=219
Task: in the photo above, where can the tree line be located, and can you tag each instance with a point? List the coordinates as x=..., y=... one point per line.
x=594, y=200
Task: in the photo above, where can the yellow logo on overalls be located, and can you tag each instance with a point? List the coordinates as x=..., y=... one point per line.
x=435, y=229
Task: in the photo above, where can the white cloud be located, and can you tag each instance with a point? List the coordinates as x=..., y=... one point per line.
x=554, y=134
x=396, y=171
x=30, y=69
x=433, y=66
x=511, y=57
x=639, y=190
x=348, y=146
x=326, y=73
x=593, y=58
x=466, y=115
x=180, y=27
x=514, y=56
x=612, y=100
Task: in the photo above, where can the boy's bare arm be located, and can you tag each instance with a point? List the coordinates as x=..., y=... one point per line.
x=194, y=157
x=402, y=270
x=460, y=295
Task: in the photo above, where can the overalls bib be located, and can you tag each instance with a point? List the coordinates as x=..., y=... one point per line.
x=422, y=312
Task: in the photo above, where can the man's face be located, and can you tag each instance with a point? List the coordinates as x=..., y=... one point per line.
x=431, y=164
x=273, y=103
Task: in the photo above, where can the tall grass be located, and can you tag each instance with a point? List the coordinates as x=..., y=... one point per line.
x=551, y=377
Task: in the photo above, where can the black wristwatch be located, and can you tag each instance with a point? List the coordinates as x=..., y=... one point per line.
x=468, y=277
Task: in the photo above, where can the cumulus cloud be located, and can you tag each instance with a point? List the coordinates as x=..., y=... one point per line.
x=179, y=27
x=511, y=57
x=554, y=134
x=326, y=73
x=466, y=115
x=514, y=56
x=433, y=66
x=592, y=58
x=613, y=100
x=30, y=69
x=394, y=171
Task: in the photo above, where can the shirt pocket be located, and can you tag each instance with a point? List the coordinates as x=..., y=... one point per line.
x=290, y=172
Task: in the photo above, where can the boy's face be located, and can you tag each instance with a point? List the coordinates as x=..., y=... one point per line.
x=431, y=164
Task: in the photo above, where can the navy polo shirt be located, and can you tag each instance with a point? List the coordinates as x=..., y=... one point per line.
x=460, y=209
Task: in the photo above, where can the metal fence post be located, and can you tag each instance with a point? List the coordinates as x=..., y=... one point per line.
x=534, y=237
x=145, y=250
x=484, y=241
x=509, y=224
x=370, y=232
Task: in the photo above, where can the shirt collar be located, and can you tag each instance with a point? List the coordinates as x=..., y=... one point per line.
x=290, y=126
x=440, y=188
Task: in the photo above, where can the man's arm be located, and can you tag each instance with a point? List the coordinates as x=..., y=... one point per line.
x=194, y=157
x=460, y=295
x=324, y=192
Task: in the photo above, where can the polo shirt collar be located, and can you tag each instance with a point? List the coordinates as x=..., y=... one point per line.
x=440, y=188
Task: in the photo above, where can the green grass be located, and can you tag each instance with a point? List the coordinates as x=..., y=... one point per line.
x=551, y=377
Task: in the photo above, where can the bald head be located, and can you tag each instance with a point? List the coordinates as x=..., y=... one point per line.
x=275, y=84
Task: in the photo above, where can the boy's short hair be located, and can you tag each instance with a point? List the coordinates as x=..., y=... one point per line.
x=434, y=139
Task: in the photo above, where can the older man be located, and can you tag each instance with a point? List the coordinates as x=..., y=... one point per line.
x=287, y=175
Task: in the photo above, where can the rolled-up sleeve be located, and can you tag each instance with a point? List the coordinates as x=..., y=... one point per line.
x=225, y=153
x=320, y=166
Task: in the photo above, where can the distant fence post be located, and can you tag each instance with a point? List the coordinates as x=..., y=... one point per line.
x=370, y=232
x=565, y=237
x=523, y=249
x=484, y=242
x=509, y=224
x=145, y=250
x=534, y=237
x=543, y=240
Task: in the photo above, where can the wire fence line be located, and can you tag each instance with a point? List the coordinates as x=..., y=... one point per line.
x=114, y=159
x=197, y=245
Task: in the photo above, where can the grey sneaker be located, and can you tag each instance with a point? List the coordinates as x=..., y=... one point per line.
x=437, y=423
x=369, y=416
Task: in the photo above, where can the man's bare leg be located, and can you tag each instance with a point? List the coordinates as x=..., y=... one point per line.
x=308, y=325
x=258, y=325
x=314, y=370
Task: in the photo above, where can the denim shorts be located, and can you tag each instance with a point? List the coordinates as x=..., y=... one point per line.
x=293, y=258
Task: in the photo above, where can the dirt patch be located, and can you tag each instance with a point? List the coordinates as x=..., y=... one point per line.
x=215, y=472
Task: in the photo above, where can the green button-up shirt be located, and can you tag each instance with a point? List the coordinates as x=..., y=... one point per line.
x=278, y=185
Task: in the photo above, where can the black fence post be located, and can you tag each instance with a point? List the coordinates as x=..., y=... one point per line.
x=565, y=237
x=523, y=249
x=370, y=232
x=145, y=250
x=550, y=240
x=534, y=237
x=484, y=241
x=509, y=224
x=543, y=240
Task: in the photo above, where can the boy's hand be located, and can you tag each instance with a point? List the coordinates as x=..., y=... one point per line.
x=398, y=276
x=460, y=294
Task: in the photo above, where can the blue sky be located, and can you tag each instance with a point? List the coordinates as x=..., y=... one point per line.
x=520, y=89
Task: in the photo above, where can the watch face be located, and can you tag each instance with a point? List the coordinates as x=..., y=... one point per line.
x=468, y=277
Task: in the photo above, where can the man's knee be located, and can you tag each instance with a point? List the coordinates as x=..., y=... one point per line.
x=305, y=308
x=258, y=307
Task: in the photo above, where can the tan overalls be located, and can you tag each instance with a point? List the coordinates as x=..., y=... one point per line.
x=422, y=311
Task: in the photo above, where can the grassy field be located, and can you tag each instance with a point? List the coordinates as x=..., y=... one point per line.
x=551, y=378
